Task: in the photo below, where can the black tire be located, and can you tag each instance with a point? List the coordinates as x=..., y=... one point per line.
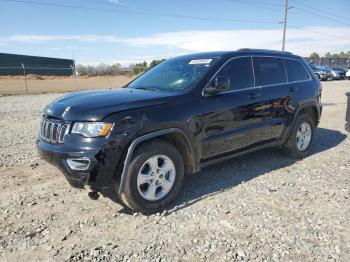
x=290, y=147
x=131, y=196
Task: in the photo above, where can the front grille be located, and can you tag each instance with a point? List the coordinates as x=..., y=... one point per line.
x=53, y=131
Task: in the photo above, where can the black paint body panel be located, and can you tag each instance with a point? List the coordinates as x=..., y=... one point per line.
x=216, y=126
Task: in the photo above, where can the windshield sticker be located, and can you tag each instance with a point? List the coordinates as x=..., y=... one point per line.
x=200, y=61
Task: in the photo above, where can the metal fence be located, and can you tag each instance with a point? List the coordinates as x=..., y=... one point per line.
x=332, y=62
x=32, y=80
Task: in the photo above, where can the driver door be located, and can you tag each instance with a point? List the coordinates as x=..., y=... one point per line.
x=232, y=117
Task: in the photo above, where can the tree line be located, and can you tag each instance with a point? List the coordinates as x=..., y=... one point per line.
x=115, y=69
x=135, y=69
x=341, y=54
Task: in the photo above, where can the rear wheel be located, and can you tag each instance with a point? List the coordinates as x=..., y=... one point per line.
x=154, y=177
x=300, y=139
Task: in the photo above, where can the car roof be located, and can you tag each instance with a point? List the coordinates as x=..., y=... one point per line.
x=242, y=51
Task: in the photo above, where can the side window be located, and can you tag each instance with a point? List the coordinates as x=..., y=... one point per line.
x=269, y=71
x=240, y=73
x=295, y=70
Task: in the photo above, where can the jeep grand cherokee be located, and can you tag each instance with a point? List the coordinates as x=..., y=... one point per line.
x=184, y=114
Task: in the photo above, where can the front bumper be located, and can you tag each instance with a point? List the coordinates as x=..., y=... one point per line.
x=326, y=76
x=338, y=76
x=102, y=154
x=76, y=178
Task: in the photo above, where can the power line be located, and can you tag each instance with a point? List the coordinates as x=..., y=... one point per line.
x=154, y=13
x=302, y=29
x=257, y=3
x=157, y=13
x=267, y=6
x=319, y=15
x=317, y=32
x=321, y=10
x=182, y=16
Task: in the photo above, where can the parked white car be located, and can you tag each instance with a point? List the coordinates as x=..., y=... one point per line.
x=348, y=74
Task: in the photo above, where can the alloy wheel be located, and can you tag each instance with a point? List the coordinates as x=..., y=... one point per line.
x=156, y=177
x=304, y=135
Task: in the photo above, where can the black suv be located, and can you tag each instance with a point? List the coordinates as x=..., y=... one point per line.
x=138, y=142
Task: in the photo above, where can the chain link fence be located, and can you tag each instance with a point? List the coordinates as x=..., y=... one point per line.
x=34, y=80
x=332, y=62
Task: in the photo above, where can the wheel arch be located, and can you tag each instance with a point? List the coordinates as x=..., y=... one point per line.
x=312, y=111
x=175, y=136
x=310, y=108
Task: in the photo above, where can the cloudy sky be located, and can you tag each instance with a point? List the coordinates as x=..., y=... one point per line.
x=129, y=31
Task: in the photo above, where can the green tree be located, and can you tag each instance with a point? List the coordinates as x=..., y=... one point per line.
x=314, y=55
x=328, y=55
x=335, y=56
x=155, y=62
x=342, y=54
x=140, y=67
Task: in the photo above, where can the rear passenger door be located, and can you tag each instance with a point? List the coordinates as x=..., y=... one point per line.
x=298, y=81
x=271, y=76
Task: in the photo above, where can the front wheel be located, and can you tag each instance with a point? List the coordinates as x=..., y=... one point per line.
x=154, y=177
x=300, y=139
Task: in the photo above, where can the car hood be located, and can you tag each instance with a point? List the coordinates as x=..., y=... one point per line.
x=96, y=105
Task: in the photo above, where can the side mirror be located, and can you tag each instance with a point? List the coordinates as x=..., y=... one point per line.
x=219, y=85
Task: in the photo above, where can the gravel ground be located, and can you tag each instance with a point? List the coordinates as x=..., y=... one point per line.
x=259, y=207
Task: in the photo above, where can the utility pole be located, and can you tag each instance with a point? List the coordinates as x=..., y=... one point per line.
x=285, y=24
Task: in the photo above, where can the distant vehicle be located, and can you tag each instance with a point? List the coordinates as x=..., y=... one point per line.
x=347, y=75
x=136, y=143
x=322, y=72
x=338, y=73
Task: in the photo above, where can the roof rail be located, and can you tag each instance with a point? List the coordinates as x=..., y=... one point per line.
x=261, y=50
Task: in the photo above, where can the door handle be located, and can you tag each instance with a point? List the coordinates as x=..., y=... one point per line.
x=292, y=88
x=253, y=96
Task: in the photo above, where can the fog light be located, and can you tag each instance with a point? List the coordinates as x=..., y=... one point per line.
x=78, y=163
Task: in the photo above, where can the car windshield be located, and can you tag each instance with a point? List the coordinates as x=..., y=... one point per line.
x=324, y=67
x=174, y=74
x=313, y=66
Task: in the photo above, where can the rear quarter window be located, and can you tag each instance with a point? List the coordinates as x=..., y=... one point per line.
x=295, y=70
x=269, y=71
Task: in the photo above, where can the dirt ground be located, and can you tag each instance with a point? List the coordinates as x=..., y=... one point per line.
x=259, y=207
x=43, y=84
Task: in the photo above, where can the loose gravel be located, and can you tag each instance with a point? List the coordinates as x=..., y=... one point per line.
x=259, y=207
x=19, y=124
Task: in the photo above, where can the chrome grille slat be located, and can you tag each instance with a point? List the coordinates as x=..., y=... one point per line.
x=48, y=132
x=41, y=128
x=45, y=129
x=53, y=131
x=64, y=130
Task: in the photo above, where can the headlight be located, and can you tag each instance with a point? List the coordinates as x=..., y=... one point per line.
x=91, y=129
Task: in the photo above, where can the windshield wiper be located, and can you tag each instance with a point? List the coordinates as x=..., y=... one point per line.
x=146, y=88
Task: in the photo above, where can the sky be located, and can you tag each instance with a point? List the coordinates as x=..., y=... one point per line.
x=130, y=31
